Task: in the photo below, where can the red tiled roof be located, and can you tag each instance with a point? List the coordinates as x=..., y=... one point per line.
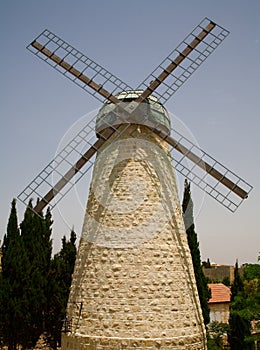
x=219, y=293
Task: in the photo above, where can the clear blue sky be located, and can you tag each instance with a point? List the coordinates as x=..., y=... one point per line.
x=219, y=104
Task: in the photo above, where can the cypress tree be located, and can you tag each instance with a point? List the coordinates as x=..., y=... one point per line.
x=62, y=267
x=201, y=281
x=34, y=288
x=239, y=318
x=237, y=286
x=35, y=234
x=68, y=257
x=12, y=280
x=239, y=329
x=12, y=233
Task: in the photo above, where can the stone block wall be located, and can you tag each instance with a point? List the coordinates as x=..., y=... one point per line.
x=219, y=272
x=219, y=312
x=133, y=286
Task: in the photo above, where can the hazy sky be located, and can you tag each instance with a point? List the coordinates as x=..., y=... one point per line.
x=219, y=104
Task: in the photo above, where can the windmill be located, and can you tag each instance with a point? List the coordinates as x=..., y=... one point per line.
x=133, y=285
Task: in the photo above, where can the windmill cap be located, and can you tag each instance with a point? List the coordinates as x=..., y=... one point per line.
x=150, y=113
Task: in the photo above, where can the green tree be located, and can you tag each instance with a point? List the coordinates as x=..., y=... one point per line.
x=12, y=279
x=34, y=288
x=251, y=271
x=217, y=333
x=239, y=330
x=35, y=235
x=203, y=290
x=226, y=281
x=237, y=286
x=61, y=271
x=245, y=307
x=12, y=233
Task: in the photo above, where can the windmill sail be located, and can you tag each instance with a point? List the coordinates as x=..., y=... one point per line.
x=183, y=61
x=83, y=71
x=74, y=161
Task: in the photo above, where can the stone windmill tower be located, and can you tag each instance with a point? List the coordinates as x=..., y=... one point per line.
x=133, y=286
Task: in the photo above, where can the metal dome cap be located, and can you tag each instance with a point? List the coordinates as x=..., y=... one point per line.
x=150, y=113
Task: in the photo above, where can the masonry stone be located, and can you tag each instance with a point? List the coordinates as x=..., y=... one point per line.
x=133, y=285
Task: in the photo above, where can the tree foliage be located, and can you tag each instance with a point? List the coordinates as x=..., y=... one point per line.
x=33, y=285
x=217, y=334
x=245, y=307
x=202, y=286
x=12, y=301
x=237, y=286
x=35, y=234
x=61, y=272
x=251, y=271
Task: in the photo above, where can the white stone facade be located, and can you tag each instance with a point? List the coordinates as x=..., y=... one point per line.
x=133, y=286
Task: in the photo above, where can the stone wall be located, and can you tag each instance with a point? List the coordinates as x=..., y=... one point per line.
x=133, y=286
x=219, y=312
x=219, y=272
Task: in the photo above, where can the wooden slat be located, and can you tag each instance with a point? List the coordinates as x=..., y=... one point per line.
x=174, y=64
x=75, y=72
x=204, y=165
x=74, y=169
